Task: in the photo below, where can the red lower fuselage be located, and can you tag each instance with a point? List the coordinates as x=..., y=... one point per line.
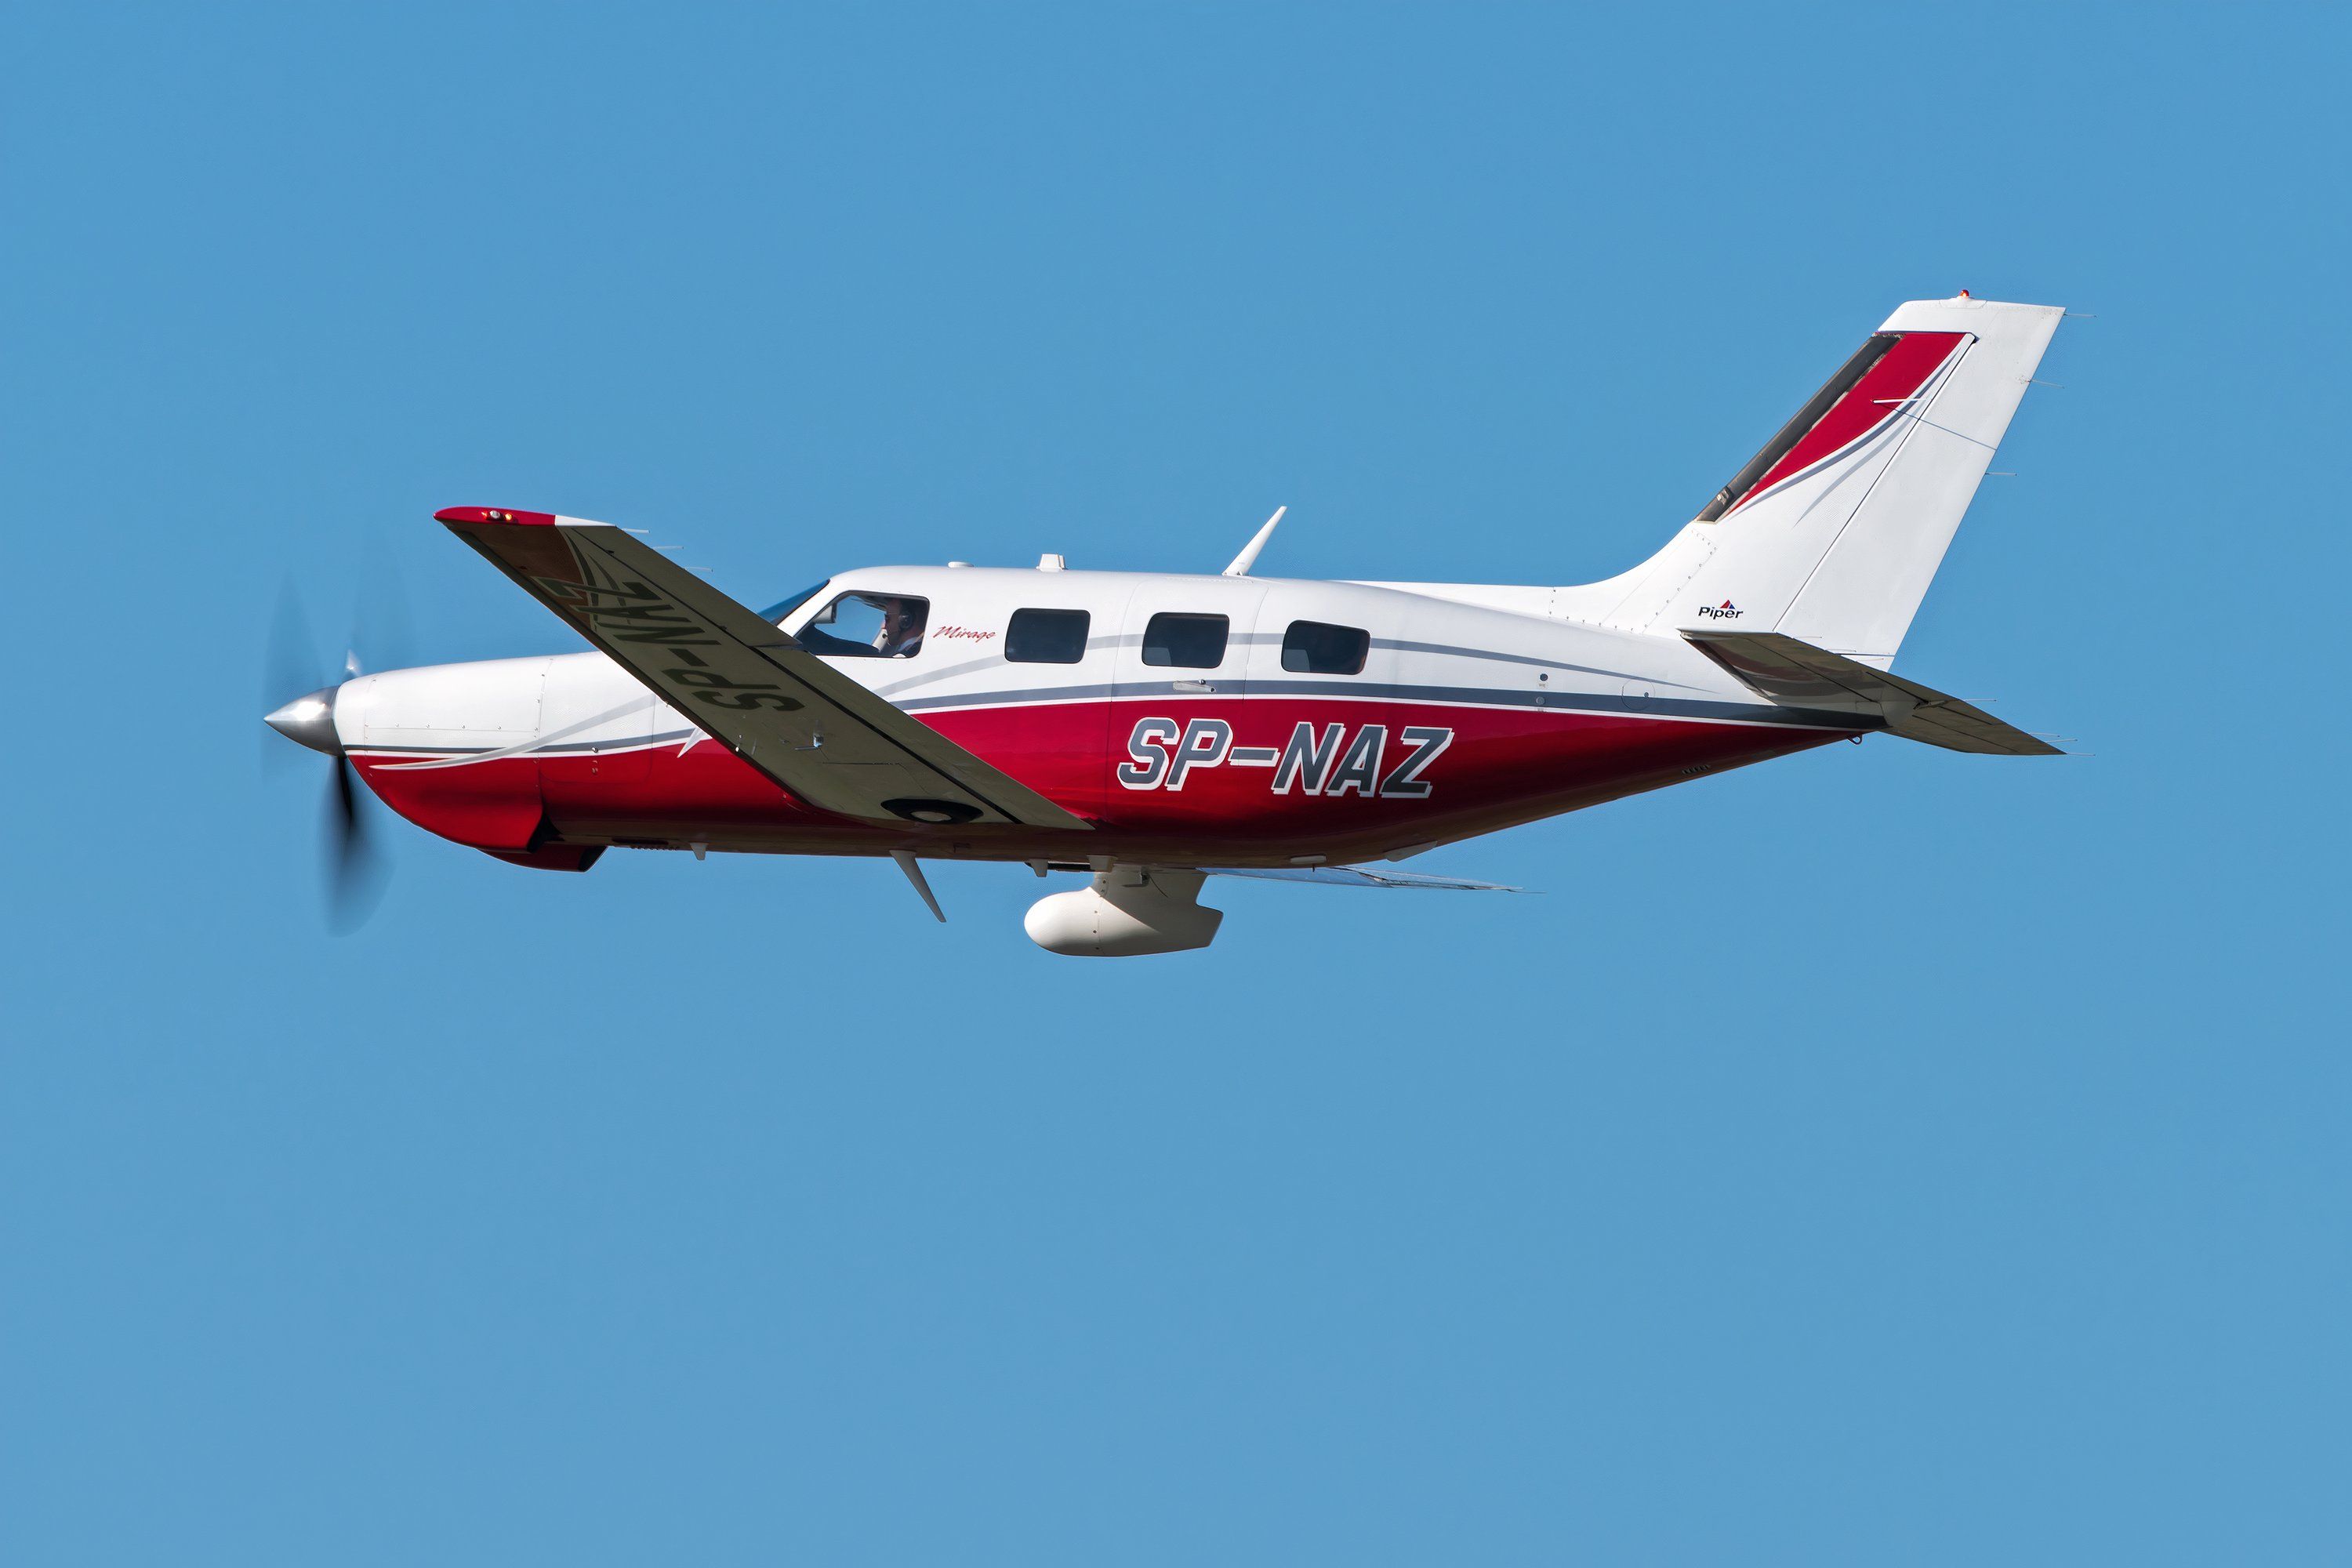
x=1501, y=766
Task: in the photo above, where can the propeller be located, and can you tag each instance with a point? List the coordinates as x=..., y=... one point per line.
x=355, y=870
x=290, y=662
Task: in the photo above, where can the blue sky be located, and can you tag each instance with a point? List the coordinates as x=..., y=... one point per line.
x=1880, y=1155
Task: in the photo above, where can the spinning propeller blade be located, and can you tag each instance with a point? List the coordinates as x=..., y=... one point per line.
x=355, y=871
x=290, y=662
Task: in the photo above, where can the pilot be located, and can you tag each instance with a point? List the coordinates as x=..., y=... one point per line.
x=902, y=629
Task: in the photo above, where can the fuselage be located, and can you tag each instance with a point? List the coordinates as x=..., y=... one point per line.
x=1190, y=720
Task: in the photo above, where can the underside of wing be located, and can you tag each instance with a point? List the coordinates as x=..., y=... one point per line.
x=1360, y=877
x=820, y=735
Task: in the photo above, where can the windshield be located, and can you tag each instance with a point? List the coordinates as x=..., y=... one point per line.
x=778, y=611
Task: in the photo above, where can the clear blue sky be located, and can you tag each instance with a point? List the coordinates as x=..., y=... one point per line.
x=1878, y=1156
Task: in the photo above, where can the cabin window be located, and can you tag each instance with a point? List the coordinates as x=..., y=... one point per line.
x=1314, y=649
x=1045, y=636
x=1186, y=642
x=868, y=626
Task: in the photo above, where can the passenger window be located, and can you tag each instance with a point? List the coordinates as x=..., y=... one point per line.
x=1045, y=636
x=1187, y=642
x=1318, y=649
x=868, y=626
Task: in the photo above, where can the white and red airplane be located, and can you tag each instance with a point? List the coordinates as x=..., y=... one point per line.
x=1151, y=729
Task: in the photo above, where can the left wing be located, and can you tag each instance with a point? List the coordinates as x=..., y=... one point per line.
x=819, y=734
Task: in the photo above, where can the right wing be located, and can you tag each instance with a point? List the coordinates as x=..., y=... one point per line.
x=1359, y=876
x=819, y=734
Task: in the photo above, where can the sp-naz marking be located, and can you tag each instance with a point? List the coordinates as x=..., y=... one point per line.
x=633, y=612
x=1163, y=753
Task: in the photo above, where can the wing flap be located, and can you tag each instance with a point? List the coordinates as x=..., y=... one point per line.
x=817, y=733
x=1796, y=674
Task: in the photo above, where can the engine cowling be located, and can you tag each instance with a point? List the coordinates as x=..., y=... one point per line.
x=1129, y=911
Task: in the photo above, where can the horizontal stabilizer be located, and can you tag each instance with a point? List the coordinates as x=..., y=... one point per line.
x=1796, y=674
x=1359, y=876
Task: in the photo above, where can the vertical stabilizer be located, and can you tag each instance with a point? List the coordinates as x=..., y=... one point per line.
x=1832, y=533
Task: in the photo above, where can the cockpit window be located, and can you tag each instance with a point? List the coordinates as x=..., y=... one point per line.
x=868, y=626
x=774, y=614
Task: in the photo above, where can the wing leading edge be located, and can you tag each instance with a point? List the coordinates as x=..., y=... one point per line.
x=817, y=733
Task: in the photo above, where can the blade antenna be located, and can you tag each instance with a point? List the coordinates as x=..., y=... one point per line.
x=906, y=863
x=1248, y=557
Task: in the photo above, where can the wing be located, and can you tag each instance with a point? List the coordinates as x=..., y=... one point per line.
x=1797, y=673
x=826, y=739
x=1359, y=876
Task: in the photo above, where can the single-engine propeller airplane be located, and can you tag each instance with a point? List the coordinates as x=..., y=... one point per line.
x=1153, y=729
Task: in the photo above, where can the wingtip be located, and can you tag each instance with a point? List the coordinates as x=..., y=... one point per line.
x=481, y=514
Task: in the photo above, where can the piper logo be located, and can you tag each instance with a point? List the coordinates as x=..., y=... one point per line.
x=1726, y=611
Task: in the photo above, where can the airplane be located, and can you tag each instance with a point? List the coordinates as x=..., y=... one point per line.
x=1151, y=729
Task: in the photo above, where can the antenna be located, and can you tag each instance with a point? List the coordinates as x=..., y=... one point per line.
x=1248, y=557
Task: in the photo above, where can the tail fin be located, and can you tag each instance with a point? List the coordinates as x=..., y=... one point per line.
x=1832, y=533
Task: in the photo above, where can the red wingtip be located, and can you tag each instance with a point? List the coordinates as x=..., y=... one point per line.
x=492, y=514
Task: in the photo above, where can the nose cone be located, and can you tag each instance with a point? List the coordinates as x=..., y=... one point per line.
x=310, y=720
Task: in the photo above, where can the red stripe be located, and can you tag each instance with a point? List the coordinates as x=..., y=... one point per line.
x=1870, y=402
x=1505, y=764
